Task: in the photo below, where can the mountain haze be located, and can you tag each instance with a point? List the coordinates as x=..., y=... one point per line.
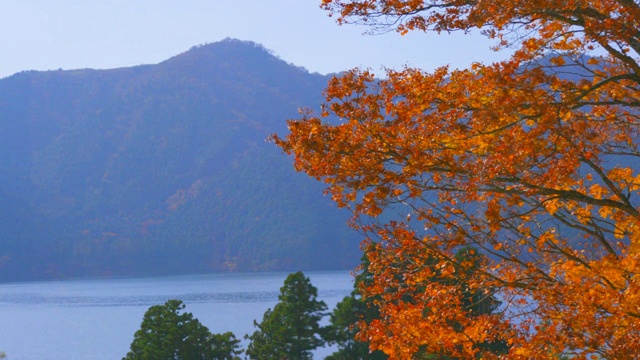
x=162, y=169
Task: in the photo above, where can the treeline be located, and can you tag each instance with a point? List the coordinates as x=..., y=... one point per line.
x=292, y=330
x=162, y=169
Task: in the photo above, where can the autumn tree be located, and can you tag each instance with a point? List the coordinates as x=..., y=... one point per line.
x=354, y=309
x=532, y=160
x=292, y=329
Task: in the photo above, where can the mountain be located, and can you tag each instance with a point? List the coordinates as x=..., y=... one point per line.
x=162, y=169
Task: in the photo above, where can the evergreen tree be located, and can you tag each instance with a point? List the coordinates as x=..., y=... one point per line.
x=342, y=331
x=347, y=313
x=291, y=330
x=225, y=346
x=168, y=333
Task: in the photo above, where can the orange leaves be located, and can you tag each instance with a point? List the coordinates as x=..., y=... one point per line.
x=598, y=191
x=533, y=161
x=625, y=179
x=492, y=215
x=500, y=161
x=592, y=298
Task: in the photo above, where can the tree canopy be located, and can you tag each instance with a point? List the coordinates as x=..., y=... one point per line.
x=167, y=333
x=292, y=329
x=532, y=160
x=342, y=330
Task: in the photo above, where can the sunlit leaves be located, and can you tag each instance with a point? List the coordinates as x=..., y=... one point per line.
x=533, y=161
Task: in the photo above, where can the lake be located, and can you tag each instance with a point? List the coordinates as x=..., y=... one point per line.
x=96, y=319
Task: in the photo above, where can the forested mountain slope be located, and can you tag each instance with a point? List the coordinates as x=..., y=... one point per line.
x=161, y=169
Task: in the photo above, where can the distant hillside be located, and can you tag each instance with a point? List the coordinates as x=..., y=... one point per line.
x=162, y=169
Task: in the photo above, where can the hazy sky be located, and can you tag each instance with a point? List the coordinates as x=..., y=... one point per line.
x=72, y=34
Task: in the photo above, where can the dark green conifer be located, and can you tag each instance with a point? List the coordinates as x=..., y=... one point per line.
x=347, y=313
x=167, y=333
x=292, y=329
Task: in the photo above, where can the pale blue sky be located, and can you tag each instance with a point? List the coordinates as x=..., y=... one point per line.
x=72, y=34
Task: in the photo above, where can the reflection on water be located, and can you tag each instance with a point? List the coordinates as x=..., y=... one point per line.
x=96, y=319
x=140, y=300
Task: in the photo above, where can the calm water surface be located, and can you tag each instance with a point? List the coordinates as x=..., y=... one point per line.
x=96, y=319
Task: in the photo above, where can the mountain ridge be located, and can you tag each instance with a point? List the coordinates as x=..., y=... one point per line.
x=162, y=169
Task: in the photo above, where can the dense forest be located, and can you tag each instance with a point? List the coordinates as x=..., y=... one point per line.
x=162, y=169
